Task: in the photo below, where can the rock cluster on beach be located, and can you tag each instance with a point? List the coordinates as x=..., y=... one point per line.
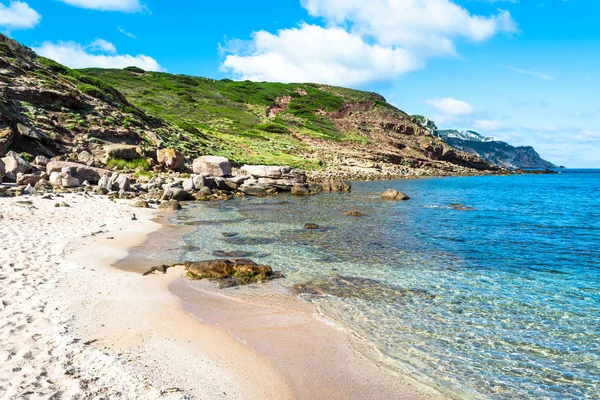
x=213, y=178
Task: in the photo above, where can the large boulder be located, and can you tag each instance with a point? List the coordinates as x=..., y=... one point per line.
x=170, y=158
x=80, y=171
x=212, y=165
x=122, y=151
x=170, y=205
x=393, y=194
x=42, y=161
x=68, y=181
x=15, y=164
x=235, y=271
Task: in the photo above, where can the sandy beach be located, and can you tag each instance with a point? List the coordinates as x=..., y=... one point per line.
x=73, y=326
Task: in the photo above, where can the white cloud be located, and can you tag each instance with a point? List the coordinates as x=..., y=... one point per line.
x=18, y=15
x=312, y=53
x=102, y=46
x=362, y=41
x=535, y=74
x=75, y=55
x=451, y=107
x=488, y=125
x=124, y=32
x=107, y=5
x=587, y=135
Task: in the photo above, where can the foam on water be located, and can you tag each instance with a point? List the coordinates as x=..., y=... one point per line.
x=502, y=301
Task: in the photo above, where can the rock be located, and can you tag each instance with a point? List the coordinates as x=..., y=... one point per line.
x=257, y=191
x=15, y=164
x=42, y=185
x=300, y=191
x=353, y=213
x=243, y=270
x=202, y=180
x=171, y=205
x=229, y=234
x=336, y=185
x=204, y=191
x=122, y=151
x=2, y=170
x=175, y=193
x=188, y=185
x=265, y=171
x=170, y=158
x=461, y=207
x=80, y=171
x=68, y=181
x=212, y=165
x=120, y=182
x=86, y=158
x=392, y=194
x=231, y=254
x=311, y=226
x=29, y=190
x=42, y=161
x=6, y=139
x=28, y=179
x=141, y=204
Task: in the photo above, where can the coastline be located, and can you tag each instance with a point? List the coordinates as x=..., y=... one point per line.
x=97, y=329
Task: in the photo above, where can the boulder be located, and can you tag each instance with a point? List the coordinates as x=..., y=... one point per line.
x=28, y=179
x=170, y=205
x=42, y=161
x=336, y=185
x=120, y=182
x=2, y=170
x=300, y=191
x=141, y=204
x=257, y=191
x=393, y=194
x=311, y=226
x=122, y=151
x=188, y=185
x=81, y=171
x=42, y=185
x=86, y=158
x=171, y=158
x=68, y=181
x=202, y=180
x=15, y=164
x=212, y=165
x=243, y=270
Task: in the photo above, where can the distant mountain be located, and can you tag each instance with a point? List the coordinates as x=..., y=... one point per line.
x=493, y=151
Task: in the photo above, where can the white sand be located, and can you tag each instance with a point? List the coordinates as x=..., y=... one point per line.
x=73, y=327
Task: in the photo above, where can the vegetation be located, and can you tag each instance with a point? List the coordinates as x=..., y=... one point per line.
x=118, y=163
x=228, y=118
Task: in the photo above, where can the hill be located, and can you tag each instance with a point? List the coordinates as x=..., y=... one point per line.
x=493, y=151
x=49, y=109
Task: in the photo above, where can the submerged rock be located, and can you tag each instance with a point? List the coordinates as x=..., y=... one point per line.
x=361, y=288
x=232, y=254
x=236, y=271
x=354, y=213
x=393, y=194
x=311, y=226
x=461, y=207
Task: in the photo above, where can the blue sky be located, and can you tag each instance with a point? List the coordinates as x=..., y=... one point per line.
x=522, y=71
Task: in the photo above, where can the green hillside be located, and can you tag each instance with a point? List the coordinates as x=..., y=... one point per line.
x=229, y=118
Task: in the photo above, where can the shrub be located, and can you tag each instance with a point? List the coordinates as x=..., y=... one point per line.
x=137, y=70
x=120, y=163
x=273, y=128
x=54, y=66
x=90, y=90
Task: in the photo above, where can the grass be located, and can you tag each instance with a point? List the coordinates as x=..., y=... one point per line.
x=118, y=163
x=228, y=118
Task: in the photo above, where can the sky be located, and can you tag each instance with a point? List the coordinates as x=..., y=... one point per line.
x=523, y=71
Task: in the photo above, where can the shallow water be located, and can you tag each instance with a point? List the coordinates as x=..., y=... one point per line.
x=502, y=301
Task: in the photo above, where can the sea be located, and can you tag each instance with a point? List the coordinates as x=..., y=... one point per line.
x=483, y=287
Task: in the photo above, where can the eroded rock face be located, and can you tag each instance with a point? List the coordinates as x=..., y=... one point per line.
x=6, y=139
x=171, y=159
x=393, y=194
x=212, y=165
x=236, y=271
x=16, y=164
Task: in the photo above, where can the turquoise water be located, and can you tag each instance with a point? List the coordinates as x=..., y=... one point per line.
x=502, y=301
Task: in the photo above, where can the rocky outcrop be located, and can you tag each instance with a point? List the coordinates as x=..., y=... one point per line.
x=212, y=165
x=281, y=105
x=232, y=272
x=122, y=152
x=393, y=194
x=336, y=185
x=171, y=159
